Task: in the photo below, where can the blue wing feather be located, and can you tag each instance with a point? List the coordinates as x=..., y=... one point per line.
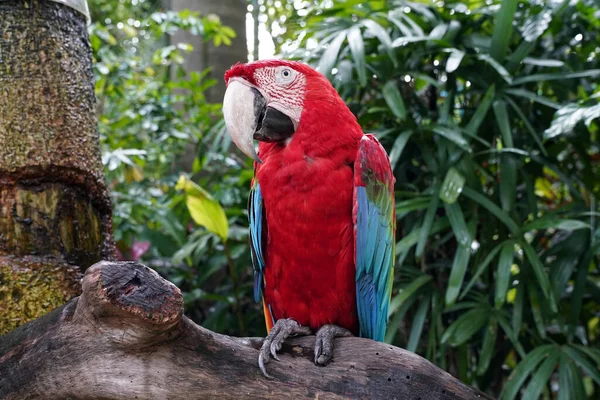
x=255, y=213
x=374, y=221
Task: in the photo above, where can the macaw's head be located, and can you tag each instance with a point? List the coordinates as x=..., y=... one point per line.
x=265, y=100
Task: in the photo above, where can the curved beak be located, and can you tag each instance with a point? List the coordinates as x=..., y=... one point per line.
x=248, y=117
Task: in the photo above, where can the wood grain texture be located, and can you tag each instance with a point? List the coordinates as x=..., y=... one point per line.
x=126, y=337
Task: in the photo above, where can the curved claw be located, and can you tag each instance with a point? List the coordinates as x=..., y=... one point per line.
x=282, y=329
x=261, y=365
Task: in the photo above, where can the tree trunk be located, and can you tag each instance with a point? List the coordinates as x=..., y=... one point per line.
x=55, y=213
x=126, y=337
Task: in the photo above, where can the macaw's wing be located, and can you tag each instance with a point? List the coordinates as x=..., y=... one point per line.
x=258, y=232
x=374, y=215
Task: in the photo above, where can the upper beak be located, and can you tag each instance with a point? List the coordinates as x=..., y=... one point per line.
x=248, y=117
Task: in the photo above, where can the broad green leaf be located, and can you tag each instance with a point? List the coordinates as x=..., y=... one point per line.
x=452, y=186
x=503, y=29
x=488, y=347
x=553, y=221
x=524, y=369
x=428, y=221
x=330, y=55
x=465, y=326
x=591, y=73
x=585, y=364
x=384, y=38
x=457, y=273
x=398, y=147
x=570, y=384
x=492, y=208
x=541, y=376
x=408, y=291
x=454, y=60
x=543, y=62
x=417, y=324
x=569, y=116
x=508, y=182
x=459, y=226
x=512, y=336
x=503, y=274
x=484, y=106
x=357, y=48
x=452, y=135
x=503, y=123
x=518, y=305
x=394, y=100
x=205, y=210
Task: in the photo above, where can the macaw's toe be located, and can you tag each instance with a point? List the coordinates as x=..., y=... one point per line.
x=282, y=329
x=324, y=343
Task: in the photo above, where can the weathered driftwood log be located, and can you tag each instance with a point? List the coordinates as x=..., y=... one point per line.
x=126, y=337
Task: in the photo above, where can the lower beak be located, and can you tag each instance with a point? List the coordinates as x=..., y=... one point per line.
x=248, y=117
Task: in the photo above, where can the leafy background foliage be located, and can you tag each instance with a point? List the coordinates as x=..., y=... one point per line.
x=489, y=111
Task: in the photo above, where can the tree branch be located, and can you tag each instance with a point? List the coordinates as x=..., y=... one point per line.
x=126, y=337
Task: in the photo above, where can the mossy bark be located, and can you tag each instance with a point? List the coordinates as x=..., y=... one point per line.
x=55, y=212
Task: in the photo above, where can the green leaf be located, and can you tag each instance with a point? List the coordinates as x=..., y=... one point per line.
x=541, y=377
x=357, y=48
x=591, y=73
x=398, y=147
x=578, y=291
x=330, y=55
x=465, y=326
x=503, y=123
x=503, y=274
x=454, y=60
x=397, y=318
x=570, y=384
x=406, y=292
x=484, y=106
x=493, y=209
x=453, y=135
x=526, y=94
x=457, y=273
x=536, y=310
x=503, y=29
x=384, y=38
x=394, y=100
x=527, y=124
x=488, y=347
x=504, y=74
x=590, y=369
x=428, y=221
x=459, y=227
x=204, y=210
x=543, y=62
x=418, y=203
x=452, y=186
x=540, y=274
x=413, y=237
x=512, y=336
x=553, y=221
x=417, y=324
x=508, y=182
x=524, y=369
x=481, y=269
x=569, y=116
x=519, y=304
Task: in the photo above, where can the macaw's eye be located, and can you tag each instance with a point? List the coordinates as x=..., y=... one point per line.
x=286, y=73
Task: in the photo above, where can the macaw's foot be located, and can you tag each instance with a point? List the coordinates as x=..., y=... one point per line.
x=324, y=343
x=282, y=329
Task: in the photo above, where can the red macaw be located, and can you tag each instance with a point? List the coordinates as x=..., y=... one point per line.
x=322, y=213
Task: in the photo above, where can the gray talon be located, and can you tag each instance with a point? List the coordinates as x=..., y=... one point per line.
x=324, y=342
x=282, y=329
